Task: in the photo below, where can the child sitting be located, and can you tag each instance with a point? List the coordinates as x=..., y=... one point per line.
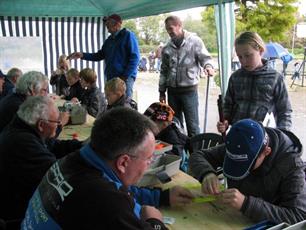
x=58, y=78
x=75, y=88
x=93, y=99
x=162, y=114
x=115, y=94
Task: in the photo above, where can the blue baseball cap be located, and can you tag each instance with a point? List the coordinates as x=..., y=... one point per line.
x=243, y=143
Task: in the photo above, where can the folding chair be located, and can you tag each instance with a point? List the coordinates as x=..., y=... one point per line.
x=205, y=140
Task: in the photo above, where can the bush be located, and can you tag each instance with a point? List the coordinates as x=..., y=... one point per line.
x=145, y=49
x=217, y=79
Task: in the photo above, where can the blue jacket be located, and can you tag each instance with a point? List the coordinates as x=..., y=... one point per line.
x=81, y=191
x=121, y=55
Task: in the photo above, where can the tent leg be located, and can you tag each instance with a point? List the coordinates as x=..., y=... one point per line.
x=206, y=104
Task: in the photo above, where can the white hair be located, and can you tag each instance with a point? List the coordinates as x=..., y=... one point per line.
x=34, y=108
x=31, y=82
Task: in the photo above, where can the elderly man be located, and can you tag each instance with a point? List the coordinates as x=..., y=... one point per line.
x=182, y=59
x=11, y=80
x=120, y=52
x=24, y=155
x=94, y=187
x=264, y=171
x=30, y=84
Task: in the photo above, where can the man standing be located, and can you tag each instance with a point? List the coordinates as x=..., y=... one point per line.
x=94, y=188
x=182, y=59
x=158, y=56
x=264, y=171
x=120, y=52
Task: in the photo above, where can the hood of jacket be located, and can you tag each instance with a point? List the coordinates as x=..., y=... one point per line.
x=283, y=144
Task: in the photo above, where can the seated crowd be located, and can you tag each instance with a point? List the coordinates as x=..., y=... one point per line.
x=47, y=183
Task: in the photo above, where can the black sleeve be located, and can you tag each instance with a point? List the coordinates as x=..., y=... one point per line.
x=61, y=148
x=54, y=78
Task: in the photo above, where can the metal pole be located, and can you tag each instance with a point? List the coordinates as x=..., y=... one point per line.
x=206, y=104
x=293, y=39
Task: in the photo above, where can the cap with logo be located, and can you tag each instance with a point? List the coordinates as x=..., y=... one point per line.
x=244, y=143
x=159, y=112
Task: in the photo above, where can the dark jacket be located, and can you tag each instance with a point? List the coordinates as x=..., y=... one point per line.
x=60, y=83
x=81, y=191
x=75, y=90
x=8, y=88
x=173, y=135
x=24, y=159
x=9, y=107
x=93, y=99
x=251, y=94
x=276, y=190
x=121, y=55
x=122, y=101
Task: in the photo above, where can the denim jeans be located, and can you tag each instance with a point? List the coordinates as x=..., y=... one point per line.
x=186, y=103
x=129, y=86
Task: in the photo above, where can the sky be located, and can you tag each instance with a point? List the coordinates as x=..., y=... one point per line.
x=302, y=7
x=195, y=13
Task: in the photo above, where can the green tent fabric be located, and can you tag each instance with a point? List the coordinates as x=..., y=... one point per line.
x=225, y=23
x=125, y=8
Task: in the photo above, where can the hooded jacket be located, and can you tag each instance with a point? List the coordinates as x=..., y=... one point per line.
x=252, y=94
x=181, y=66
x=276, y=190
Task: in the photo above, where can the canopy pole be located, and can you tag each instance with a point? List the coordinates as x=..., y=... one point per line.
x=221, y=62
x=206, y=104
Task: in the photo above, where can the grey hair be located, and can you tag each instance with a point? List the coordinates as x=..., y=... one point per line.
x=34, y=108
x=31, y=82
x=13, y=72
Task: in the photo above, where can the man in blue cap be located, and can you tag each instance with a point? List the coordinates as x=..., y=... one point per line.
x=264, y=172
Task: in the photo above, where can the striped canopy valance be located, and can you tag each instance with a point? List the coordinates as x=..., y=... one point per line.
x=60, y=35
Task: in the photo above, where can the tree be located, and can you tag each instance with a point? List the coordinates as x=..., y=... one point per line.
x=131, y=25
x=151, y=27
x=208, y=20
x=271, y=19
x=202, y=30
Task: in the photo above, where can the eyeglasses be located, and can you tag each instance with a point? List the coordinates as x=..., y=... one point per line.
x=58, y=122
x=149, y=160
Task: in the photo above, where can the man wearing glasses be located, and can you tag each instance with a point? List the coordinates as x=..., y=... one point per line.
x=94, y=188
x=32, y=83
x=264, y=172
x=26, y=153
x=119, y=51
